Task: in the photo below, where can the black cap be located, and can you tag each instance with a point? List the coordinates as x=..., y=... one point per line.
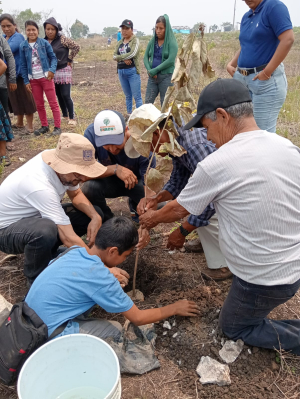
x=127, y=23
x=221, y=93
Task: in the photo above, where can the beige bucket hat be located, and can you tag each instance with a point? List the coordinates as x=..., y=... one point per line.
x=74, y=154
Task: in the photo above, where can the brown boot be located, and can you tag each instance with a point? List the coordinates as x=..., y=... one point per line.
x=217, y=274
x=194, y=246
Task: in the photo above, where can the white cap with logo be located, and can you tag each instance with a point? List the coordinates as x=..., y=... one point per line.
x=109, y=127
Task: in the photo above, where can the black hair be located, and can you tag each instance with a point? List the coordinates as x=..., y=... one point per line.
x=161, y=19
x=59, y=27
x=118, y=232
x=10, y=18
x=30, y=22
x=162, y=124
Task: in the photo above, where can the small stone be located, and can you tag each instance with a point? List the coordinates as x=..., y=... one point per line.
x=274, y=366
x=174, y=323
x=175, y=335
x=213, y=372
x=22, y=159
x=165, y=332
x=231, y=350
x=167, y=325
x=172, y=252
x=249, y=351
x=255, y=349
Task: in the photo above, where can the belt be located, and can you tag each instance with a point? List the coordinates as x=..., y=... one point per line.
x=246, y=71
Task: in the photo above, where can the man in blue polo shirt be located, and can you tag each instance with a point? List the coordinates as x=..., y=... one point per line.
x=124, y=175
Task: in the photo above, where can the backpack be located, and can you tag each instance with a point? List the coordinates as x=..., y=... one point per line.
x=20, y=335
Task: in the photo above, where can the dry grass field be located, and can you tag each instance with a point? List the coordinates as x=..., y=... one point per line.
x=164, y=278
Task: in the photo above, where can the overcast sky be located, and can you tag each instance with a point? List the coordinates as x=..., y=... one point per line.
x=98, y=14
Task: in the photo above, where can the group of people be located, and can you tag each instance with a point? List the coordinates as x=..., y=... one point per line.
x=159, y=61
x=238, y=182
x=35, y=67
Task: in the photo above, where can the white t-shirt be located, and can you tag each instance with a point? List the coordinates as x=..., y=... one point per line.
x=254, y=183
x=33, y=190
x=37, y=69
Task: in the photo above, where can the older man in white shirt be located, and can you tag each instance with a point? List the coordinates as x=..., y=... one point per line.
x=253, y=181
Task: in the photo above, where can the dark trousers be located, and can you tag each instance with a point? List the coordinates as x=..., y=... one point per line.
x=63, y=93
x=38, y=239
x=244, y=316
x=4, y=101
x=158, y=86
x=111, y=187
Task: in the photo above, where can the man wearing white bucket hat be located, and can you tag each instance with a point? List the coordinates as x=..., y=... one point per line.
x=197, y=148
x=32, y=219
x=124, y=176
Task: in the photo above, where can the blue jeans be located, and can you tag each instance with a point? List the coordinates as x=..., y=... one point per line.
x=268, y=97
x=131, y=84
x=158, y=86
x=244, y=316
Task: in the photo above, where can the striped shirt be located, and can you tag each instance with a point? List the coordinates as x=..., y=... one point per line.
x=198, y=147
x=254, y=183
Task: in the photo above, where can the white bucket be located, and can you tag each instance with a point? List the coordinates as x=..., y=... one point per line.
x=76, y=366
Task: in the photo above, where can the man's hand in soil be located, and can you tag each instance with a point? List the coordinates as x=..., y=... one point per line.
x=144, y=205
x=127, y=176
x=176, y=240
x=121, y=275
x=186, y=308
x=93, y=229
x=144, y=238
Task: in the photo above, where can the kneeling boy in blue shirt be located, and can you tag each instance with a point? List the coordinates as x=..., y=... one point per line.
x=81, y=278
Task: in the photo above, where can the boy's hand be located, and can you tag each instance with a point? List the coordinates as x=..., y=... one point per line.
x=186, y=308
x=121, y=275
x=144, y=238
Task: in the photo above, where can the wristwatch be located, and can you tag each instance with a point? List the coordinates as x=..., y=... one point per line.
x=183, y=231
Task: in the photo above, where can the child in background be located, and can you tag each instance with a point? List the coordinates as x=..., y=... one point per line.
x=38, y=66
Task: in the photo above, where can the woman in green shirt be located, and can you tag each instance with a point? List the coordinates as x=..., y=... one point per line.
x=159, y=60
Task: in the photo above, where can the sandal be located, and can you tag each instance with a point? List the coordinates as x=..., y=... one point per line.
x=17, y=127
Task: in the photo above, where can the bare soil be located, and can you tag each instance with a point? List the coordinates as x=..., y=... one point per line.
x=163, y=278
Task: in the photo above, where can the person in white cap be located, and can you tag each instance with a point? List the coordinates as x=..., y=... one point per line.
x=32, y=219
x=124, y=176
x=197, y=149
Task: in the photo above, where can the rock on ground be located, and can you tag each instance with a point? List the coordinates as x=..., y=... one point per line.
x=231, y=350
x=213, y=372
